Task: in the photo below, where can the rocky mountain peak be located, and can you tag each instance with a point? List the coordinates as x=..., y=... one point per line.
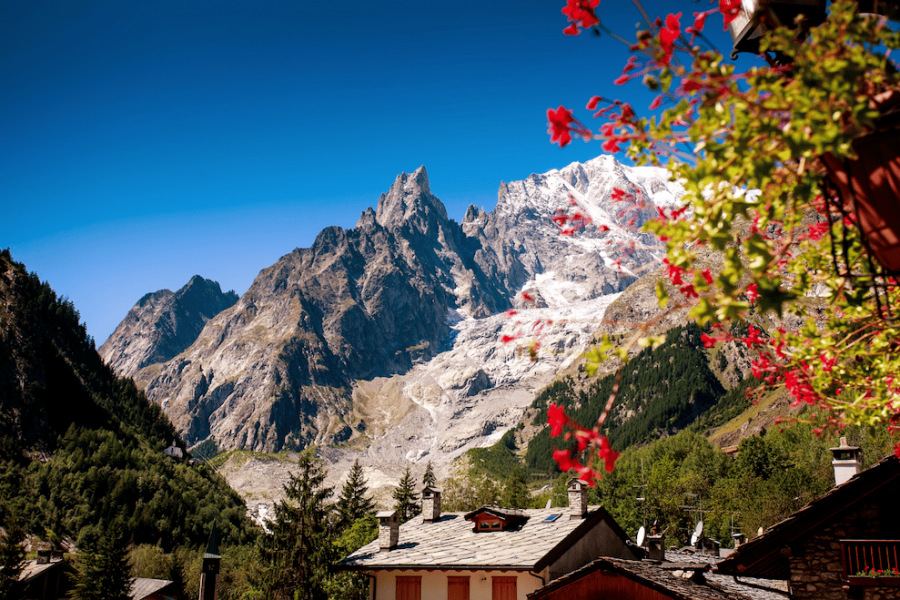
x=163, y=324
x=409, y=200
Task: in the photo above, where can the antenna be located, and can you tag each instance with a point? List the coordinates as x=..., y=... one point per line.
x=640, y=536
x=695, y=537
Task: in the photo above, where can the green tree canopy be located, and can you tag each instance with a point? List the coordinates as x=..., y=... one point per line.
x=296, y=558
x=354, y=502
x=405, y=498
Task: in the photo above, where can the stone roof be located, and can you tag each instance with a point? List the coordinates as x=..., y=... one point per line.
x=674, y=581
x=748, y=586
x=451, y=542
x=141, y=587
x=763, y=556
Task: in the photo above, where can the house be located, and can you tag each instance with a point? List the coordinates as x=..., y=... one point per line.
x=823, y=549
x=675, y=576
x=152, y=589
x=49, y=577
x=614, y=579
x=492, y=553
x=174, y=451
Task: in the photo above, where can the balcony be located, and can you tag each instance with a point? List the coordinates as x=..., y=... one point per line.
x=871, y=562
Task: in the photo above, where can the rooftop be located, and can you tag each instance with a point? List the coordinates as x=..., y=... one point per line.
x=452, y=543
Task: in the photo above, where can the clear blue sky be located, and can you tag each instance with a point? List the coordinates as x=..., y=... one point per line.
x=142, y=143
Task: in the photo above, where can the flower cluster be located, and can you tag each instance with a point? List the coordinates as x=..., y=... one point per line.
x=748, y=148
x=873, y=572
x=588, y=442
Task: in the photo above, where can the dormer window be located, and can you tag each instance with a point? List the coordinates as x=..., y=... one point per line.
x=494, y=518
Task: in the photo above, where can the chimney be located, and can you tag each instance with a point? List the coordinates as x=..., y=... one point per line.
x=577, y=498
x=656, y=549
x=388, y=529
x=431, y=504
x=739, y=538
x=846, y=461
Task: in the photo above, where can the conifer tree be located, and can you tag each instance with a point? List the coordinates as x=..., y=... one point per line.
x=354, y=502
x=296, y=558
x=104, y=571
x=12, y=562
x=515, y=490
x=405, y=497
x=429, y=480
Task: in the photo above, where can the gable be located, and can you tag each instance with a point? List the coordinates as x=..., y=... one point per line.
x=769, y=555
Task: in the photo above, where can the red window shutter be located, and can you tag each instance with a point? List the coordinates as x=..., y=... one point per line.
x=409, y=588
x=503, y=588
x=457, y=588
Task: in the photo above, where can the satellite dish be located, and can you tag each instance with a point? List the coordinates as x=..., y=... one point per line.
x=696, y=535
x=549, y=502
x=640, y=536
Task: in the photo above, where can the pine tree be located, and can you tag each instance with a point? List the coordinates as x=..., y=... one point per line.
x=296, y=558
x=12, y=562
x=354, y=502
x=515, y=490
x=405, y=497
x=104, y=571
x=429, y=480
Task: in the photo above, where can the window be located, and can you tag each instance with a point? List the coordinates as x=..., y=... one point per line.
x=409, y=588
x=503, y=588
x=457, y=588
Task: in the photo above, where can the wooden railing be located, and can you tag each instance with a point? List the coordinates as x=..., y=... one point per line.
x=865, y=556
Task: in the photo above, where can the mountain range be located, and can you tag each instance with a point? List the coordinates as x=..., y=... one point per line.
x=315, y=350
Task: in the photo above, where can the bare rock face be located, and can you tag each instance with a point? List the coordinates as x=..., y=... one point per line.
x=163, y=324
x=386, y=338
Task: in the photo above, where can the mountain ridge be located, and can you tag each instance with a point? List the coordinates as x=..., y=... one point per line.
x=283, y=366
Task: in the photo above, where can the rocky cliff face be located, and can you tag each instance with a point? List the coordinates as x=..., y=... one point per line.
x=163, y=324
x=390, y=324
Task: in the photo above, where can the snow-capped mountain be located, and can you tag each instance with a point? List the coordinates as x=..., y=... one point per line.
x=387, y=340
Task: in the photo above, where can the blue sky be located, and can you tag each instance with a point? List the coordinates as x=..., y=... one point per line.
x=142, y=143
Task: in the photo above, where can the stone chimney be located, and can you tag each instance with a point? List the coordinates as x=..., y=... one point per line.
x=656, y=548
x=388, y=529
x=846, y=461
x=431, y=504
x=739, y=538
x=577, y=498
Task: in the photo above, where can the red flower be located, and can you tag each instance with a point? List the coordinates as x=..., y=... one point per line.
x=730, y=10
x=556, y=418
x=688, y=291
x=668, y=35
x=673, y=272
x=621, y=80
x=527, y=297
x=592, y=103
x=581, y=11
x=611, y=145
x=752, y=293
x=608, y=455
x=559, y=121
x=708, y=341
x=817, y=230
x=699, y=21
x=707, y=276
x=564, y=459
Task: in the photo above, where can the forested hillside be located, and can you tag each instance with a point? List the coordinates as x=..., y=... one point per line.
x=662, y=391
x=81, y=448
